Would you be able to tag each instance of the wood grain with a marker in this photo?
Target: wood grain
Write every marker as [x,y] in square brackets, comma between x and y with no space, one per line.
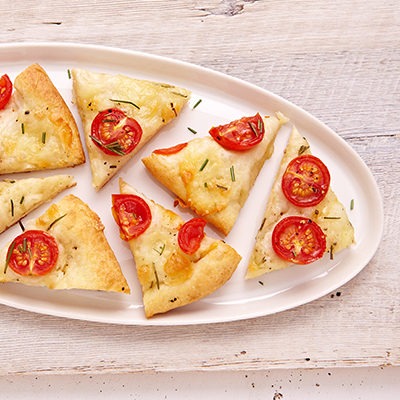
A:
[338,60]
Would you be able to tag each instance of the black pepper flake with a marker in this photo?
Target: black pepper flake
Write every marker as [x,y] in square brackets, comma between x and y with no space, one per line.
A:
[26,112]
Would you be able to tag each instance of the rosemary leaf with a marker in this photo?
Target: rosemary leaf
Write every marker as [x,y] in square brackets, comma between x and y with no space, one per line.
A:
[233,174]
[204,164]
[9,256]
[12,208]
[126,102]
[55,221]
[69,74]
[253,128]
[198,102]
[192,130]
[352,204]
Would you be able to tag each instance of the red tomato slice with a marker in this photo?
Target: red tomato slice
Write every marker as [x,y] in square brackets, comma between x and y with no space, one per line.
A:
[132,214]
[191,234]
[298,240]
[306,181]
[170,150]
[5,90]
[32,253]
[115,133]
[241,134]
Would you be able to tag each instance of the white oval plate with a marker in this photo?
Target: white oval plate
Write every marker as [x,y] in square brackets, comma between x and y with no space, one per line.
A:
[223,99]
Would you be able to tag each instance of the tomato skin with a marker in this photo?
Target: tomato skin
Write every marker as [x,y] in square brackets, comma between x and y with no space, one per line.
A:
[298,240]
[306,181]
[191,234]
[33,253]
[171,150]
[132,214]
[240,135]
[115,133]
[5,90]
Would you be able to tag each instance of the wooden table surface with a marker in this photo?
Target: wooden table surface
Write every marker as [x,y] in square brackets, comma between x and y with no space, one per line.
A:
[338,60]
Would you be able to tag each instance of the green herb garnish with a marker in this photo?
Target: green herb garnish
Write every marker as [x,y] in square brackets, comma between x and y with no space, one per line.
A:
[161,249]
[69,74]
[9,256]
[55,221]
[352,204]
[331,252]
[24,244]
[332,217]
[192,130]
[12,208]
[222,187]
[155,273]
[302,149]
[23,128]
[204,164]
[115,147]
[253,128]
[199,101]
[22,200]
[126,102]
[44,137]
[233,174]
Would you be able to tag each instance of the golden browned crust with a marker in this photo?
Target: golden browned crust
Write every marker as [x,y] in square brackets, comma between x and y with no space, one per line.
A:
[34,83]
[85,261]
[37,129]
[181,279]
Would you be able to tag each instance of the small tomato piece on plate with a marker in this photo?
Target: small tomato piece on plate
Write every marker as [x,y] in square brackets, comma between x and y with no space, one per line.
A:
[115,133]
[240,135]
[5,90]
[298,240]
[170,150]
[33,253]
[306,181]
[191,234]
[132,214]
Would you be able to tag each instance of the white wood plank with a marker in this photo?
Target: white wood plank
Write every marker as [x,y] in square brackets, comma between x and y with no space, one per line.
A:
[338,60]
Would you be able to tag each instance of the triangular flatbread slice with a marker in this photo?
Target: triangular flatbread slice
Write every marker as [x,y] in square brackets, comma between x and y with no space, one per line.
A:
[169,277]
[85,259]
[37,129]
[330,215]
[213,181]
[151,104]
[20,197]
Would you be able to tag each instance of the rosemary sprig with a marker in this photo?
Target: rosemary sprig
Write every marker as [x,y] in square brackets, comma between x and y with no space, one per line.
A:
[204,164]
[9,256]
[115,147]
[126,102]
[55,221]
[302,149]
[253,128]
[198,102]
[155,273]
[233,173]
[161,250]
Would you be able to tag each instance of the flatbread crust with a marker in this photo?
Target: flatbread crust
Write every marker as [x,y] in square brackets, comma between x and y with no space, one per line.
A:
[339,231]
[169,277]
[159,103]
[212,192]
[37,129]
[20,197]
[85,259]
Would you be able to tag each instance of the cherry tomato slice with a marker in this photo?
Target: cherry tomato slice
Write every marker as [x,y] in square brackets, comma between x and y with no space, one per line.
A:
[5,90]
[191,234]
[115,133]
[132,214]
[306,181]
[241,134]
[298,240]
[170,150]
[33,252]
